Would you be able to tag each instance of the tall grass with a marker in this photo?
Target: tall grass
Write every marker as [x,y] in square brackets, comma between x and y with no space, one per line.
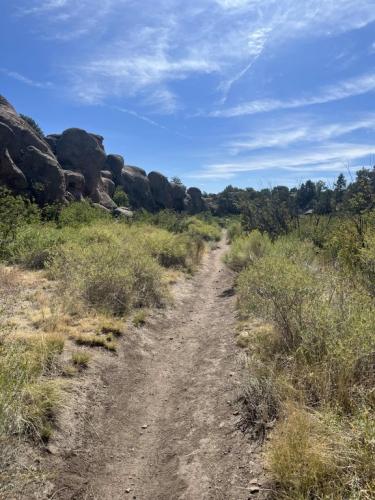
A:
[27,397]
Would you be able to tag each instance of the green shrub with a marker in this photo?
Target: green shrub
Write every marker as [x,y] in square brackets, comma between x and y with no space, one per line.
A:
[203,230]
[27,401]
[81,213]
[120,197]
[33,245]
[246,250]
[234,230]
[15,213]
[109,278]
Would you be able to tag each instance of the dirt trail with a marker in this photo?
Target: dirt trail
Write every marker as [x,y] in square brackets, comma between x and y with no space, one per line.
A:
[177,376]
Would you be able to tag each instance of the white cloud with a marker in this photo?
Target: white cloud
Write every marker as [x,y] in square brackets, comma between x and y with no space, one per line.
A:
[295,131]
[332,157]
[342,90]
[24,79]
[148,45]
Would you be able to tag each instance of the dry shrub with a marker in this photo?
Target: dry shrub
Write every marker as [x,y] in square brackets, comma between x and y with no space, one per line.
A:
[27,399]
[246,250]
[305,456]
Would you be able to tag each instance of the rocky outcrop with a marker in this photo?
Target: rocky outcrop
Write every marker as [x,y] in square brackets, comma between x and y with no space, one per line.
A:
[46,178]
[73,165]
[195,202]
[137,186]
[115,164]
[75,185]
[161,190]
[27,164]
[178,193]
[80,151]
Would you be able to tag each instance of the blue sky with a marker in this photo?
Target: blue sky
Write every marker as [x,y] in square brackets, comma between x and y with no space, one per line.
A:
[245,92]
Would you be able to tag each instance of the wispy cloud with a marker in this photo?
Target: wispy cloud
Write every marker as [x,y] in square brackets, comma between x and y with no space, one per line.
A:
[144,51]
[333,157]
[24,79]
[342,90]
[296,131]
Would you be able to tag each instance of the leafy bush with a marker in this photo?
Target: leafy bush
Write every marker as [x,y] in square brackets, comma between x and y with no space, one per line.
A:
[15,213]
[81,213]
[33,245]
[203,230]
[109,278]
[246,250]
[120,197]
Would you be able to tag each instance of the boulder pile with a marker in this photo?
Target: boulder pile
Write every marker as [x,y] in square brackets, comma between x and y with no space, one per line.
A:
[74,165]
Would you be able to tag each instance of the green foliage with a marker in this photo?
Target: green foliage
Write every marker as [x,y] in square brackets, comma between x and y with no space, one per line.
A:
[27,401]
[199,229]
[234,230]
[316,362]
[245,250]
[33,124]
[178,181]
[34,244]
[15,213]
[120,197]
[81,213]
[111,278]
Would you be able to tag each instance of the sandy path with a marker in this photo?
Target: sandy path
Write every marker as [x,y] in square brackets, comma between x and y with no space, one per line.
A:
[176,376]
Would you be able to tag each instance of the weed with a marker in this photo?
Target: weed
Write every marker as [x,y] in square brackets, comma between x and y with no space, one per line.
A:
[81,359]
[139,318]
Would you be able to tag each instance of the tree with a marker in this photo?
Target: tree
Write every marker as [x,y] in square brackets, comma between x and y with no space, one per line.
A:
[339,190]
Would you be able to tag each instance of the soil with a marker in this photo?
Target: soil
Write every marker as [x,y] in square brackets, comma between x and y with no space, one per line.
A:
[160,421]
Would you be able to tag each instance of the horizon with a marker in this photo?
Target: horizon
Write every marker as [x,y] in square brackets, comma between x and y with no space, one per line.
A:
[217,92]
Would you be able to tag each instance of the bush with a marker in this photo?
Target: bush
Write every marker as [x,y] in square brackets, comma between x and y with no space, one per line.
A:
[111,278]
[15,213]
[304,456]
[234,230]
[34,245]
[81,213]
[202,230]
[120,197]
[27,401]
[246,250]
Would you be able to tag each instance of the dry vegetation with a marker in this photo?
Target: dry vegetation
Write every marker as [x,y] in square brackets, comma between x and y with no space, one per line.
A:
[68,280]
[309,323]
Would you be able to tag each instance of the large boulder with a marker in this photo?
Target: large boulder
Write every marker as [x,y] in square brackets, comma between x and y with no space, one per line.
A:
[45,177]
[161,190]
[137,186]
[115,164]
[178,192]
[195,203]
[75,184]
[80,151]
[11,175]
[109,186]
[27,164]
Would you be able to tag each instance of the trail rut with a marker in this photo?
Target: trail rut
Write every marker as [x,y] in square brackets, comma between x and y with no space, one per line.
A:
[163,427]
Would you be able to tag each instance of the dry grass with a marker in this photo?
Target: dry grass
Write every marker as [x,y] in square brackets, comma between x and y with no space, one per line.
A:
[81,359]
[139,318]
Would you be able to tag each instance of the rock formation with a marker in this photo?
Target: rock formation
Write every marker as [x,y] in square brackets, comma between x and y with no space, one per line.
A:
[74,165]
[27,164]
